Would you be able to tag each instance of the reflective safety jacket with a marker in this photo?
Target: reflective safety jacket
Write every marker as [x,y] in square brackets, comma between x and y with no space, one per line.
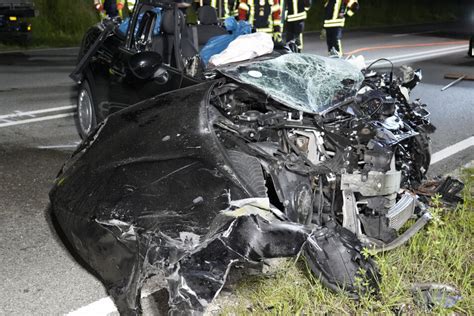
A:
[99,5]
[295,10]
[263,15]
[337,10]
[225,8]
[130,4]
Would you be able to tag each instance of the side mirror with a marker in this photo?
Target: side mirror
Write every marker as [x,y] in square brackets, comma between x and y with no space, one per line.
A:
[144,65]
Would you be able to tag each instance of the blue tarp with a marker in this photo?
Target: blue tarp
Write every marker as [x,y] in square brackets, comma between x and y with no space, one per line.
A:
[218,43]
[123,28]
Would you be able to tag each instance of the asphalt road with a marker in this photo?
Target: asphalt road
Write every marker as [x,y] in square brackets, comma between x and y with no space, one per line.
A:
[38,276]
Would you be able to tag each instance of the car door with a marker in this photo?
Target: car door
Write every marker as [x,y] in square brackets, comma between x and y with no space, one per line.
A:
[144,34]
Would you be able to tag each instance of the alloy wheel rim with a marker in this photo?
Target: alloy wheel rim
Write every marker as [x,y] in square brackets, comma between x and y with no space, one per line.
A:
[84,111]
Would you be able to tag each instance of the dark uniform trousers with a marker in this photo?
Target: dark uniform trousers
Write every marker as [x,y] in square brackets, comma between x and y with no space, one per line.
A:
[110,7]
[333,38]
[335,12]
[295,13]
[294,31]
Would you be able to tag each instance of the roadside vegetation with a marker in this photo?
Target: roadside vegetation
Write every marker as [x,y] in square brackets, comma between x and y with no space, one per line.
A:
[443,252]
[62,22]
[378,13]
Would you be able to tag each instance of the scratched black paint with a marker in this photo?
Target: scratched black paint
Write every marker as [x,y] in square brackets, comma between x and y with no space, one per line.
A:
[145,195]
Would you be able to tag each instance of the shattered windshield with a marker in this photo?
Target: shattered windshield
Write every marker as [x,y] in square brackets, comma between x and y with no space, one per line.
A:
[304,82]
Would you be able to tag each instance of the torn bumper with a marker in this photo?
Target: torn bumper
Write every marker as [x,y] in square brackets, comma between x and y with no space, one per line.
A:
[153,194]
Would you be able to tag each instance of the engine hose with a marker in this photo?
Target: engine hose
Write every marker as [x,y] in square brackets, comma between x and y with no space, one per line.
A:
[400,240]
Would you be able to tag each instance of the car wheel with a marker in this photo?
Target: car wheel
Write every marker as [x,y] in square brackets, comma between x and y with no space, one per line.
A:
[86,119]
[250,170]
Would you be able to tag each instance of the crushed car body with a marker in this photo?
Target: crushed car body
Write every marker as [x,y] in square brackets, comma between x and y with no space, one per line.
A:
[274,157]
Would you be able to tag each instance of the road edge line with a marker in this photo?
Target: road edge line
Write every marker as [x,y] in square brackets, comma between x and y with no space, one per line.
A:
[452,150]
[38,119]
[28,113]
[104,306]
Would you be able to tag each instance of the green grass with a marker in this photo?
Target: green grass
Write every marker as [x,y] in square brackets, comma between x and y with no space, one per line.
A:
[442,252]
[62,22]
[376,13]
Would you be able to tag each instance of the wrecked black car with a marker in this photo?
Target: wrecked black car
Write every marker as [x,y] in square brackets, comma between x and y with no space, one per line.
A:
[121,63]
[274,157]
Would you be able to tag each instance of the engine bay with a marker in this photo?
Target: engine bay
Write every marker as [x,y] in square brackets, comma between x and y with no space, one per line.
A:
[356,163]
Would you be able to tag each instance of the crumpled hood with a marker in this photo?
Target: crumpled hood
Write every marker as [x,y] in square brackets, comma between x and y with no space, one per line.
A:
[303,82]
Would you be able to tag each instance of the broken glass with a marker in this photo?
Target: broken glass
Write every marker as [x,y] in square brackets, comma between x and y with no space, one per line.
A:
[304,82]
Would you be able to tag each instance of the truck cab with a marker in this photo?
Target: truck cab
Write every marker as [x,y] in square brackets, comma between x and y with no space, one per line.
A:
[13,24]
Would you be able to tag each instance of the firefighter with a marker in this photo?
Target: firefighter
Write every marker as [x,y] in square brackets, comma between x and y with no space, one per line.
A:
[225,8]
[130,4]
[263,15]
[106,8]
[294,15]
[336,12]
[99,6]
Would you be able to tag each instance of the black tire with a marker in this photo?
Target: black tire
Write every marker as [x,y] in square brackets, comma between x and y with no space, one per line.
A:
[86,119]
[248,168]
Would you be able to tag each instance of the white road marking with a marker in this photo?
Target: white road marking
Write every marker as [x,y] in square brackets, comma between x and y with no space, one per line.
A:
[417,33]
[104,307]
[38,119]
[50,58]
[37,50]
[452,150]
[433,52]
[20,113]
[33,113]
[422,55]
[59,146]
